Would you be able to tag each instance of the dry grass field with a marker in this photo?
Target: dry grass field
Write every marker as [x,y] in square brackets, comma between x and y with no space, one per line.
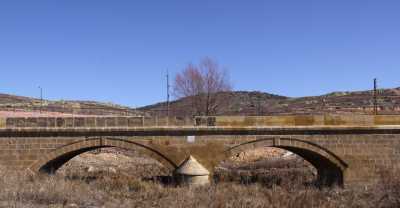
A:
[124,182]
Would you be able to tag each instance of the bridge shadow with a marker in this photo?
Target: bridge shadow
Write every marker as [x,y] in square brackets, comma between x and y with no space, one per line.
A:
[163,180]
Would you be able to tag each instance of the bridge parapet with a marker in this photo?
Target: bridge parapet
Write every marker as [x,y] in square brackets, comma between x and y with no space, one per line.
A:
[300,120]
[92,122]
[71,122]
[218,121]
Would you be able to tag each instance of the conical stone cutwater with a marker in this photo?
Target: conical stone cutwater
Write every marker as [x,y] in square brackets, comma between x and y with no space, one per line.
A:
[191,172]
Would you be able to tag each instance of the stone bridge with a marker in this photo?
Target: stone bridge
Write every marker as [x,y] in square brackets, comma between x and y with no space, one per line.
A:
[343,149]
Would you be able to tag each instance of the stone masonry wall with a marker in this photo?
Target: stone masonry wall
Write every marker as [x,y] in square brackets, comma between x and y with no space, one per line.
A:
[71,122]
[299,120]
[97,121]
[365,155]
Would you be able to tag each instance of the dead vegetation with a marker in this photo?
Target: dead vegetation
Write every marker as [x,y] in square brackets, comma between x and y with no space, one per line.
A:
[117,190]
[124,182]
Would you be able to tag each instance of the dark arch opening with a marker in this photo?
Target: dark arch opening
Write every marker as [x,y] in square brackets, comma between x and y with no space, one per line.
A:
[329,167]
[268,166]
[328,173]
[51,163]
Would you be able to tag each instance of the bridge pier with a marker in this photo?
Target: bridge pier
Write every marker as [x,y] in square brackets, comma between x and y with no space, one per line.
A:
[191,172]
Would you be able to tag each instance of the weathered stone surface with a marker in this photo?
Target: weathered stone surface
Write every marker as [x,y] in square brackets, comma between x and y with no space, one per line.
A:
[100,122]
[341,154]
[2,122]
[193,180]
[42,122]
[191,167]
[90,122]
[60,122]
[135,121]
[79,122]
[122,121]
[111,121]
[69,122]
[300,120]
[353,158]
[72,122]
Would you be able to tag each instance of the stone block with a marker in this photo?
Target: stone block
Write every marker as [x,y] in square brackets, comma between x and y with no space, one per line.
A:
[2,122]
[90,122]
[304,120]
[149,121]
[51,122]
[199,121]
[31,122]
[100,122]
[20,122]
[387,120]
[135,121]
[122,121]
[69,122]
[111,122]
[79,122]
[333,120]
[42,122]
[180,121]
[60,122]
[211,121]
[162,121]
[10,122]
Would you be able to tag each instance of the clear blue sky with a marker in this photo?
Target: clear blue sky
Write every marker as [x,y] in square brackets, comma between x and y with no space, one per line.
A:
[118,51]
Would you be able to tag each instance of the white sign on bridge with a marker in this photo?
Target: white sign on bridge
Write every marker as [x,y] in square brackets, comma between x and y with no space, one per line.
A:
[191,139]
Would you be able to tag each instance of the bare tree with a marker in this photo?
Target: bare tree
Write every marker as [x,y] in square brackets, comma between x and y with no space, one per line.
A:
[201,84]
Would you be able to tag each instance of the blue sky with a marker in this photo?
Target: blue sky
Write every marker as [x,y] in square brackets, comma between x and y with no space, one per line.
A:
[118,51]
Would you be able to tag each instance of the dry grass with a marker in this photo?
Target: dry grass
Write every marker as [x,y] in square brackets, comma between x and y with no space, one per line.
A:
[290,172]
[116,190]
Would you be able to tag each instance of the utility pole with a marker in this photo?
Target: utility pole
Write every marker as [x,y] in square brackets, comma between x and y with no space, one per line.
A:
[375,97]
[323,104]
[41,99]
[168,96]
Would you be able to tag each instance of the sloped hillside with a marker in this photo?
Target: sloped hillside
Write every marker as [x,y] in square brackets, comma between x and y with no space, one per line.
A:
[259,103]
[19,105]
[230,103]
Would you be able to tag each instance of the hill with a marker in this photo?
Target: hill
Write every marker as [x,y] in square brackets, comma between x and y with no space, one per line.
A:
[20,106]
[260,103]
[231,103]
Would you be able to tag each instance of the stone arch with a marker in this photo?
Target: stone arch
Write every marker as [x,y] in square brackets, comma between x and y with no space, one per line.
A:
[329,166]
[53,160]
